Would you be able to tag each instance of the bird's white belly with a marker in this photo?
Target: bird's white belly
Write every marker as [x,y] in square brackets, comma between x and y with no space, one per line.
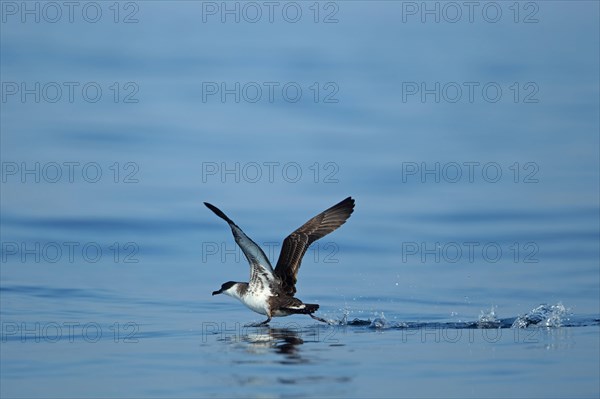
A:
[258,302]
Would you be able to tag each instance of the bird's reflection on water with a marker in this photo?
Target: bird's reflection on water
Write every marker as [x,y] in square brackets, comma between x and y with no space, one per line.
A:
[285,341]
[282,341]
[263,347]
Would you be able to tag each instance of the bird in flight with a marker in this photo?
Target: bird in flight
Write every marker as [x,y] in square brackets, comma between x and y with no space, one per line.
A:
[271,292]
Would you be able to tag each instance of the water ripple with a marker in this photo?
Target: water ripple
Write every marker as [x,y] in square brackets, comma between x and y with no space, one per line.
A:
[107,224]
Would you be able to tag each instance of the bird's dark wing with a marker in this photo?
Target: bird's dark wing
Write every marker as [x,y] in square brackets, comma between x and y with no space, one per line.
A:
[295,245]
[260,267]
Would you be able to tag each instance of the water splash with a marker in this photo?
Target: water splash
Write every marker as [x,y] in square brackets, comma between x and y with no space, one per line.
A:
[544,316]
[344,320]
[489,319]
[380,322]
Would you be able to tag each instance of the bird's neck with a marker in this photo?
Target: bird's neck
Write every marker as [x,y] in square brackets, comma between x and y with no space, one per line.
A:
[238,290]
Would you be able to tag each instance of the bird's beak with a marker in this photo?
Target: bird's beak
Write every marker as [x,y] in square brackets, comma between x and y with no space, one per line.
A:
[217,292]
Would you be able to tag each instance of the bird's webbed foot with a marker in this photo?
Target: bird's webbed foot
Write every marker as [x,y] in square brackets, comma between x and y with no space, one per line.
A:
[261,324]
[318,318]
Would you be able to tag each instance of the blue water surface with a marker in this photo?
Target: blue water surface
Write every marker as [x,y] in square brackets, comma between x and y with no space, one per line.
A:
[467,134]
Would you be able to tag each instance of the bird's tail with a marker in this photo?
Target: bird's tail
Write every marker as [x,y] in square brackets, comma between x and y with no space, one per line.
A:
[306,308]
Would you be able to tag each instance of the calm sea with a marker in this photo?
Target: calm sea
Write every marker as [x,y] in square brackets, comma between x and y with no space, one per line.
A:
[467,132]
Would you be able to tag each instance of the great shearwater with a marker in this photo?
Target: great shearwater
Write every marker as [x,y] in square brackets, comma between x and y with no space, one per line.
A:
[271,292]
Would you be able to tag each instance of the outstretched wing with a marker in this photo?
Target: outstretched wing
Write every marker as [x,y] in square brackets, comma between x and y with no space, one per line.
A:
[295,245]
[260,267]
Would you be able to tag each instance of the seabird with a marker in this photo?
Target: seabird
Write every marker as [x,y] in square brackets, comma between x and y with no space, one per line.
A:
[271,292]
